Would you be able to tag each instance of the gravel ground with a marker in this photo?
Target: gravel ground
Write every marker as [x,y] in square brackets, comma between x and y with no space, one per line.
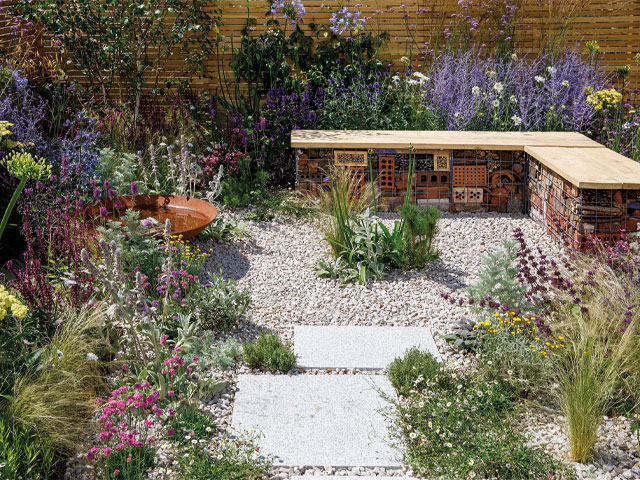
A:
[276,262]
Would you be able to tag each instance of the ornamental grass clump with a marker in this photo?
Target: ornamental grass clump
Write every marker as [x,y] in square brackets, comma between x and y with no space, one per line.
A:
[55,398]
[602,348]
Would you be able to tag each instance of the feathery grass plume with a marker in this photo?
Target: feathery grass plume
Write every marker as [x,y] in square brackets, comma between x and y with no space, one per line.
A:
[57,399]
[602,346]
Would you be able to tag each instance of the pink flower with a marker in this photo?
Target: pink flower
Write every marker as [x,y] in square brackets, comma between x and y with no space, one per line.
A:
[196,359]
[148,422]
[170,393]
[171,432]
[120,446]
[178,349]
[92,453]
[125,367]
[129,458]
[116,472]
[107,451]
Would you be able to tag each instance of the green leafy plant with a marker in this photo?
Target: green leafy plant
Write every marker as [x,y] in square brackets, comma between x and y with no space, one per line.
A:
[406,370]
[234,459]
[224,230]
[24,453]
[498,278]
[420,226]
[510,358]
[441,409]
[119,169]
[137,41]
[221,304]
[269,352]
[221,356]
[190,423]
[130,463]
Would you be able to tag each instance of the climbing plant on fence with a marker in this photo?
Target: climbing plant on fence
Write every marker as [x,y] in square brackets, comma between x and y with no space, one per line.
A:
[123,46]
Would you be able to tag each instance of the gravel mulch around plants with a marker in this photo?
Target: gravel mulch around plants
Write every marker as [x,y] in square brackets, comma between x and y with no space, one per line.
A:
[277,263]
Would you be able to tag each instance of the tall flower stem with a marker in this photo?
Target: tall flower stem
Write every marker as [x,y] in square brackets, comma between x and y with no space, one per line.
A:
[12,204]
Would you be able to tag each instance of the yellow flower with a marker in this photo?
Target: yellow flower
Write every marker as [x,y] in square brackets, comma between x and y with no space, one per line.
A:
[9,302]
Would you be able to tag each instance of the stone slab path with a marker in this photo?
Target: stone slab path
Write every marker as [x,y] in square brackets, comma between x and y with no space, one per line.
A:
[318,420]
[361,347]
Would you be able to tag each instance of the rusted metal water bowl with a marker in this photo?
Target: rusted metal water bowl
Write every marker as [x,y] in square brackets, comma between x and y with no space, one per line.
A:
[188,216]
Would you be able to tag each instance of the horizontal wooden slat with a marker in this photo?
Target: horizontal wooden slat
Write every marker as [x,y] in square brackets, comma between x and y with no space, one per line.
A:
[449,140]
[615,25]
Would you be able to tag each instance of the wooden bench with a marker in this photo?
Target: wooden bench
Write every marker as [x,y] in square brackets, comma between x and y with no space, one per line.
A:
[575,186]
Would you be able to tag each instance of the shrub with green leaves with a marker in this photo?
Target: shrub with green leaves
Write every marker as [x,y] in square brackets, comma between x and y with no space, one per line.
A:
[460,426]
[510,358]
[120,169]
[404,371]
[220,304]
[498,278]
[269,352]
[136,41]
[24,453]
[221,356]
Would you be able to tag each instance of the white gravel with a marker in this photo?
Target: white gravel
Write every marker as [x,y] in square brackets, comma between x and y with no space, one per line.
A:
[276,263]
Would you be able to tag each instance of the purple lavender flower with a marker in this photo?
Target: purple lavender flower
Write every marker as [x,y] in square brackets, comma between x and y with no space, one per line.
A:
[103,212]
[134,188]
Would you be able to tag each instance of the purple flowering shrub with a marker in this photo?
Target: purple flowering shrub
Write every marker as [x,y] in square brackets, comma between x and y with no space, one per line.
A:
[51,272]
[25,109]
[68,140]
[356,99]
[269,133]
[486,93]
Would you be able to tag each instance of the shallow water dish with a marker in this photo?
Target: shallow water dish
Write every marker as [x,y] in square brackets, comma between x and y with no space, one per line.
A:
[188,216]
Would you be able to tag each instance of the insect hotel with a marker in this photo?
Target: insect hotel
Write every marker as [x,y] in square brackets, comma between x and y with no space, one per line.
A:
[576,187]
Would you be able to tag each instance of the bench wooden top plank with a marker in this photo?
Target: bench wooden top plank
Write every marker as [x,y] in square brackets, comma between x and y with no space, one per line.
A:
[589,167]
[436,140]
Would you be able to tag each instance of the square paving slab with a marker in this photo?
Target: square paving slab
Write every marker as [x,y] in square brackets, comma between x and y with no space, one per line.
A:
[369,347]
[317,420]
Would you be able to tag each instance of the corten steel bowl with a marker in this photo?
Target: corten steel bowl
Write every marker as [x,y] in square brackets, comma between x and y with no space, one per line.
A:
[188,216]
